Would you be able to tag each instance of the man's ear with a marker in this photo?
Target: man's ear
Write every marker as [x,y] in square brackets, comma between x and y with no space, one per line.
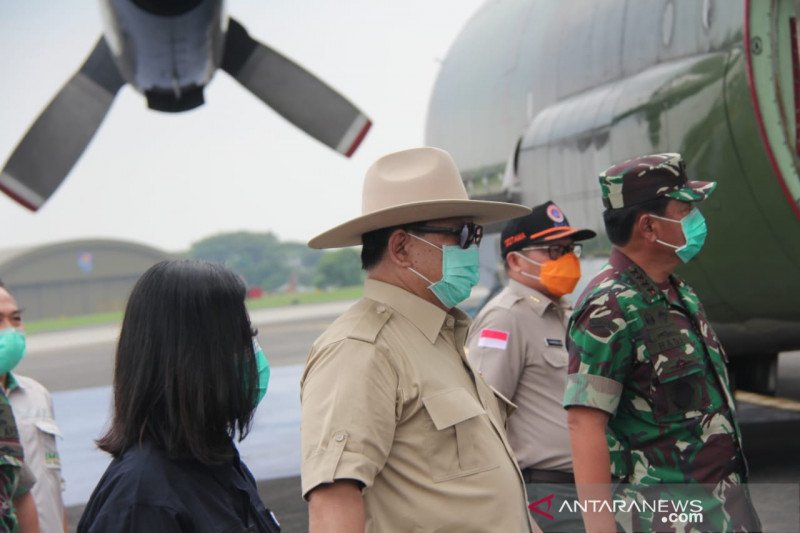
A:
[512,260]
[644,227]
[397,248]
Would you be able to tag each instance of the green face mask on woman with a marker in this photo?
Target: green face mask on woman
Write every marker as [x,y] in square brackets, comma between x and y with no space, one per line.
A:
[262,366]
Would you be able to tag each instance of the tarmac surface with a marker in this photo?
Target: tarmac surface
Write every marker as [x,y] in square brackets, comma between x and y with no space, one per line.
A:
[77,367]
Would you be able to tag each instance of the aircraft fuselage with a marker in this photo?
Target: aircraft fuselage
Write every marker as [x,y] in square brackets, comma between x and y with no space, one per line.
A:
[536,98]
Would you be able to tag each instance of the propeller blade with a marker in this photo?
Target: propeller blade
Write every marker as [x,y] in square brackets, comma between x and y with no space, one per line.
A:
[299,96]
[53,144]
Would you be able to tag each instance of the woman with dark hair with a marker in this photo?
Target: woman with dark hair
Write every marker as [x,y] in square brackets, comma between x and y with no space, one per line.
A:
[187,378]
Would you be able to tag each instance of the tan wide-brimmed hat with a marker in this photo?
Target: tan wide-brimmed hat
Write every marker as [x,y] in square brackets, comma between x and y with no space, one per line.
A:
[414,185]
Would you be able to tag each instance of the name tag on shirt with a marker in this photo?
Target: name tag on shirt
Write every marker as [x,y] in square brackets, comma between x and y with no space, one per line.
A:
[52,460]
[493,338]
[557,343]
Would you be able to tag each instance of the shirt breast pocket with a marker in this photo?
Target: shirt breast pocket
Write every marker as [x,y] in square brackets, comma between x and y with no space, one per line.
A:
[680,389]
[47,430]
[459,444]
[556,358]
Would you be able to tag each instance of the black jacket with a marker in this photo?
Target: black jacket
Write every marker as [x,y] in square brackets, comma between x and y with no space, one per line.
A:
[145,491]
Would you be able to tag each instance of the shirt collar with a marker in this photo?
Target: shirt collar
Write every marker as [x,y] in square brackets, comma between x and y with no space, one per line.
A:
[539,301]
[12,383]
[648,289]
[425,316]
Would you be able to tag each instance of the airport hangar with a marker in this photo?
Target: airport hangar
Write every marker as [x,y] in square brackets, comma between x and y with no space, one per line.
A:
[76,277]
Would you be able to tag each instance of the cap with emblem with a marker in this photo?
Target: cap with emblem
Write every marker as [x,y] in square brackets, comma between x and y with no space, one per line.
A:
[648,177]
[545,223]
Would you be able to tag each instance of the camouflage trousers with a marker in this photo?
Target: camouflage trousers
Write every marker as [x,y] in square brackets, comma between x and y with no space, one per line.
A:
[686,508]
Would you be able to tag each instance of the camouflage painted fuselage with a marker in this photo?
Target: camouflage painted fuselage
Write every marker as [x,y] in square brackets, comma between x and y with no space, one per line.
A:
[646,354]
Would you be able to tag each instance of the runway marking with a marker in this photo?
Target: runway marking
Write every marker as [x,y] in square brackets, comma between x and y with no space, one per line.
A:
[784,404]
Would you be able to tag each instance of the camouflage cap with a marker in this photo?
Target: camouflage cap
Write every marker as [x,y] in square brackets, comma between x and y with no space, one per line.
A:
[648,177]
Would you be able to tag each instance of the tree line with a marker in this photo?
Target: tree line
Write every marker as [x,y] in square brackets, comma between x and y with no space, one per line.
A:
[266,262]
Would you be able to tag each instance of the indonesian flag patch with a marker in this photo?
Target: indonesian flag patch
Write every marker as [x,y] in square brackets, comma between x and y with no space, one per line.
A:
[493,338]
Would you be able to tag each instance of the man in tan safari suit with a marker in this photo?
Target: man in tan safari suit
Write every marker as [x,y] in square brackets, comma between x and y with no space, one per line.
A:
[398,432]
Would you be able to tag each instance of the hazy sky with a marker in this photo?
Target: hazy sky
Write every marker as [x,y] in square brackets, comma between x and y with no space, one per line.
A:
[233,164]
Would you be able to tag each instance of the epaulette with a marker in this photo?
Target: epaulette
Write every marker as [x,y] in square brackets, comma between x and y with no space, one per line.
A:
[642,284]
[508,299]
[370,323]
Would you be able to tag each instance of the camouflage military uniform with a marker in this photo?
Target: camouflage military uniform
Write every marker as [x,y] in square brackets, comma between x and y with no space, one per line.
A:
[648,357]
[645,354]
[11,457]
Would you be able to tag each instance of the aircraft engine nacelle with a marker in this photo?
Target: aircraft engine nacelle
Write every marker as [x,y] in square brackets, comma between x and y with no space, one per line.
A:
[169,50]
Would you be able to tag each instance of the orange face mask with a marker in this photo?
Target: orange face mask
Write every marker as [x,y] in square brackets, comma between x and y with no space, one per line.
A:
[559,276]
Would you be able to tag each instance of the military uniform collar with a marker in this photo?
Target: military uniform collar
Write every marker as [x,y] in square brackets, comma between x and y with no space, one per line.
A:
[12,383]
[540,302]
[428,318]
[647,288]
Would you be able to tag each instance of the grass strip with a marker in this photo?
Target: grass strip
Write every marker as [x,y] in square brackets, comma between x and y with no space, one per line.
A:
[267,301]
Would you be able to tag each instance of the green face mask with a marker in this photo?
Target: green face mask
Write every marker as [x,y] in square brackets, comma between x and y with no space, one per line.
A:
[12,348]
[694,231]
[460,272]
[262,365]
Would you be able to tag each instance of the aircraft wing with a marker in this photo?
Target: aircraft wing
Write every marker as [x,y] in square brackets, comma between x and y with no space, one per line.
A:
[53,144]
[296,94]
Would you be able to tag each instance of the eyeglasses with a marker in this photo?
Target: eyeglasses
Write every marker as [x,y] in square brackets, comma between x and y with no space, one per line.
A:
[468,234]
[557,250]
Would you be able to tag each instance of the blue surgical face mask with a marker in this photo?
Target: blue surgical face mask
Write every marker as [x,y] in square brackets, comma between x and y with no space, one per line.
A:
[262,366]
[460,272]
[12,348]
[694,231]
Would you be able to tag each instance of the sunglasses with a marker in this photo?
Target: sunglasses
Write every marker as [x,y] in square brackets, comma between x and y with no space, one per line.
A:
[557,250]
[468,234]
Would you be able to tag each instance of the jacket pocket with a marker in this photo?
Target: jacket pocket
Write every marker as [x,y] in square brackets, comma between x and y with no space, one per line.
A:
[459,444]
[680,389]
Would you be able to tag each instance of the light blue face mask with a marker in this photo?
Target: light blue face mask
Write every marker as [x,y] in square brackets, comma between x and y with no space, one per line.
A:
[460,272]
[262,365]
[12,348]
[694,231]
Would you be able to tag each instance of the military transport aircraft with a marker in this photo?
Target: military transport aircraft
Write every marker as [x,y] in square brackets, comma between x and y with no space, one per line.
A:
[169,50]
[535,98]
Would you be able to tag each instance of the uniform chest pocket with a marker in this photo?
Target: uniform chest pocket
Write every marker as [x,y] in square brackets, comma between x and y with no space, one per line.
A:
[679,387]
[460,442]
[47,431]
[556,357]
